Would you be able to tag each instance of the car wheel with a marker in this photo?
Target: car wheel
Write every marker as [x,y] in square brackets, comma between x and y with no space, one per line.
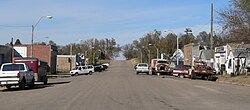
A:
[90,73]
[32,84]
[137,73]
[181,75]
[147,73]
[45,81]
[158,74]
[193,75]
[22,84]
[8,86]
[76,74]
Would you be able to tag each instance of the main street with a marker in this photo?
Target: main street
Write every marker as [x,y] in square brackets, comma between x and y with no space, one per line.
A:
[119,88]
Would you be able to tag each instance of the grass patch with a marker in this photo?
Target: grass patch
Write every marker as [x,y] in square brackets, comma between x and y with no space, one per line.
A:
[242,79]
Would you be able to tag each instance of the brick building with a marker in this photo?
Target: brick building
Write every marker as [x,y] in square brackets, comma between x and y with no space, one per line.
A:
[47,53]
[5,54]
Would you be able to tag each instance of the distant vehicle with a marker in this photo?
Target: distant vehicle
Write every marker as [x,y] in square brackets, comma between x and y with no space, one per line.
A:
[39,67]
[181,71]
[160,67]
[142,68]
[16,74]
[79,70]
[98,68]
[106,64]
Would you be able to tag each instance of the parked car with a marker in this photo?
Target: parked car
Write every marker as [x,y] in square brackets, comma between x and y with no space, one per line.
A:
[98,68]
[79,70]
[181,71]
[104,67]
[142,68]
[16,74]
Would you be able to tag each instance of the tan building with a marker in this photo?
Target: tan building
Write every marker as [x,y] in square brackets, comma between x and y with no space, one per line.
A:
[188,53]
[64,64]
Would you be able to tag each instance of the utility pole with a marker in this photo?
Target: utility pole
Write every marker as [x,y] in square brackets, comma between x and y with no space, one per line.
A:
[177,48]
[70,61]
[12,50]
[212,20]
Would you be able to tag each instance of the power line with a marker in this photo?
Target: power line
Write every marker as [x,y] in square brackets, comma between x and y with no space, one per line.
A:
[13,26]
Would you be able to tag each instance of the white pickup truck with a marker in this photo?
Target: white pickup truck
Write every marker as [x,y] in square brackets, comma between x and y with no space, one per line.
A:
[16,74]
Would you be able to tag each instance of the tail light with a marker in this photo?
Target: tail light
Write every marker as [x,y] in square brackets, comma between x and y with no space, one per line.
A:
[18,75]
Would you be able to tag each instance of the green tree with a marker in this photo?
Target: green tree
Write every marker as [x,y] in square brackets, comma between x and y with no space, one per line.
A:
[18,42]
[52,43]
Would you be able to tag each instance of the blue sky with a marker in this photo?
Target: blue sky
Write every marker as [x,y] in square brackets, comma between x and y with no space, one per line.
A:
[124,20]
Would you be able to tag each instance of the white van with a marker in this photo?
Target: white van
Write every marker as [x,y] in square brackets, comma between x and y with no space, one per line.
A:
[87,70]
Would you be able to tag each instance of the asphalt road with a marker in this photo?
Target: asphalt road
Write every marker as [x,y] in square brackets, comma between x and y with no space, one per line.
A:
[120,88]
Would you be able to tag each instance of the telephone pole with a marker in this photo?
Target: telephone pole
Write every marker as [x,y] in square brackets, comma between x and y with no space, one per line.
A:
[212,20]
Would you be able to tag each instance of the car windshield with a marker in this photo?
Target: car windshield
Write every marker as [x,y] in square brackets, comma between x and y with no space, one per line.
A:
[13,67]
[162,62]
[75,68]
[143,65]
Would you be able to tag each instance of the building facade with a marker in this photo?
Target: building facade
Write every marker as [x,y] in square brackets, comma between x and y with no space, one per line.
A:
[5,54]
[65,62]
[232,58]
[47,53]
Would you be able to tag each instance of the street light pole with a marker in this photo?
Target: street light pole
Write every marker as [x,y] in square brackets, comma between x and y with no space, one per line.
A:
[32,34]
[157,53]
[157,50]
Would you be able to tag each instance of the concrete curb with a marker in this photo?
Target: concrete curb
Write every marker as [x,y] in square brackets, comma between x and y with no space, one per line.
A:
[56,76]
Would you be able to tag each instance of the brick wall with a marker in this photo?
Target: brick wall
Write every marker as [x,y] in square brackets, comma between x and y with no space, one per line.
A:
[46,53]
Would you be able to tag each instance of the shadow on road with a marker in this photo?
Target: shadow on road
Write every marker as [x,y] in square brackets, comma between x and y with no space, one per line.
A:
[37,86]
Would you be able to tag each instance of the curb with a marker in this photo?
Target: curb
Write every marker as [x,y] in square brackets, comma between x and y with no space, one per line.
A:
[56,76]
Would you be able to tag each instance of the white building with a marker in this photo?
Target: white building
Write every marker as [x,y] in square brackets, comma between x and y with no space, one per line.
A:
[232,58]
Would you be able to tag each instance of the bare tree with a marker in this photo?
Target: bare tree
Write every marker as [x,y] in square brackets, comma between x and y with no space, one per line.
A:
[236,21]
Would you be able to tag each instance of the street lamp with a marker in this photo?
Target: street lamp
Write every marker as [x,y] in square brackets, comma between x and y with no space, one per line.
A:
[33,28]
[93,55]
[157,50]
[187,31]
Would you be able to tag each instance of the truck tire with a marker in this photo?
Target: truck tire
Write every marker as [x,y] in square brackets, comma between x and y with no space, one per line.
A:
[152,72]
[45,80]
[8,86]
[158,74]
[193,75]
[76,74]
[181,75]
[32,84]
[22,84]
